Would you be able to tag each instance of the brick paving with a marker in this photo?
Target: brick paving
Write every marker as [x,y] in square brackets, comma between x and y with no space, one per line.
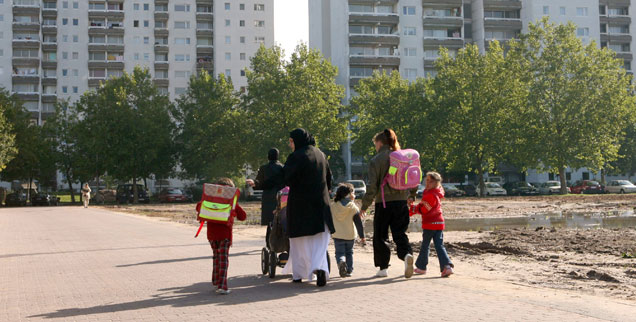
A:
[75,264]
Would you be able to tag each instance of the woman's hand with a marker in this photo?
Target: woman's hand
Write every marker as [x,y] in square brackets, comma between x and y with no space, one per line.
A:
[250,182]
[410,201]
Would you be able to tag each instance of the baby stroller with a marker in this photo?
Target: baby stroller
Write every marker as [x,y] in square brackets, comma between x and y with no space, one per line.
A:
[277,241]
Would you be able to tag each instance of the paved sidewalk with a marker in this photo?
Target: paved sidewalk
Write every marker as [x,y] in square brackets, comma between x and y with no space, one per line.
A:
[76,264]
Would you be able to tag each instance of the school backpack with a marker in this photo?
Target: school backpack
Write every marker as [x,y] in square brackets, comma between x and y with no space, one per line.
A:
[278,237]
[217,204]
[404,171]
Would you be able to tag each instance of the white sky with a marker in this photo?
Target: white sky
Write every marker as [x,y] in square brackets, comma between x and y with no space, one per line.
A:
[291,23]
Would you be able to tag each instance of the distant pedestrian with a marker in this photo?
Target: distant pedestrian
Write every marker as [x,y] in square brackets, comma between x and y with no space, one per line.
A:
[396,213]
[346,220]
[220,238]
[86,194]
[430,207]
[309,219]
[271,180]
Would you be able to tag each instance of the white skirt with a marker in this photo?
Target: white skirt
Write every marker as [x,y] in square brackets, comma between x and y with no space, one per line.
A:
[308,254]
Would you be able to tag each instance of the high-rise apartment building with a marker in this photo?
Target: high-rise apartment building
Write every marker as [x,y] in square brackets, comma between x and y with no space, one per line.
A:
[361,36]
[51,50]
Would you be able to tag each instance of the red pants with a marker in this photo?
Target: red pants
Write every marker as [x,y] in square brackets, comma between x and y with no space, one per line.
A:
[221,250]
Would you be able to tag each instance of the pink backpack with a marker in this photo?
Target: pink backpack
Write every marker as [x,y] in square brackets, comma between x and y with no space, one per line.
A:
[404,171]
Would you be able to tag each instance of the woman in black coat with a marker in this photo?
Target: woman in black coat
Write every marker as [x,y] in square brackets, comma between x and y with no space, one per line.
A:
[270,179]
[309,219]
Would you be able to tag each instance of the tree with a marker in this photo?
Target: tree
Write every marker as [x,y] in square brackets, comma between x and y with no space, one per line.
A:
[283,95]
[474,99]
[129,127]
[7,136]
[211,129]
[626,161]
[580,99]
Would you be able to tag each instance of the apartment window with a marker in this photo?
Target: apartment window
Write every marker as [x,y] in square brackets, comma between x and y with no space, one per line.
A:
[64,72]
[242,72]
[603,29]
[64,89]
[602,10]
[75,90]
[75,38]
[227,6]
[581,11]
[146,7]
[228,72]
[96,6]
[146,23]
[135,23]
[242,6]
[410,73]
[179,90]
[228,40]
[146,40]
[259,40]
[181,74]
[75,5]
[242,56]
[546,10]
[259,23]
[163,74]
[583,32]
[409,31]
[241,23]
[64,55]
[512,14]
[410,52]
[146,57]
[75,72]
[97,56]
[259,7]
[242,38]
[160,24]
[628,65]
[75,55]
[623,29]
[182,41]
[228,56]
[408,10]
[64,21]
[182,24]
[181,57]
[136,6]
[227,22]
[75,22]
[136,56]
[65,4]
[182,7]
[618,11]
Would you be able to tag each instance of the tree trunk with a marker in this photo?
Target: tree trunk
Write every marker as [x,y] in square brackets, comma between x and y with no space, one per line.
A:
[603,176]
[135,191]
[482,186]
[564,185]
[30,187]
[70,186]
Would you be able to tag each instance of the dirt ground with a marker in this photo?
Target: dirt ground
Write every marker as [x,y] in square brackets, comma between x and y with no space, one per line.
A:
[594,261]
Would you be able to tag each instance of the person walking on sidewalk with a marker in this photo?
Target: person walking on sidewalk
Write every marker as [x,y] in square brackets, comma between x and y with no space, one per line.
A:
[430,207]
[309,219]
[346,220]
[396,213]
[86,194]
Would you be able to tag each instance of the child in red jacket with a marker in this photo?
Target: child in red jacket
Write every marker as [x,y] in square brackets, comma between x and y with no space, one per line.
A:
[430,207]
[220,238]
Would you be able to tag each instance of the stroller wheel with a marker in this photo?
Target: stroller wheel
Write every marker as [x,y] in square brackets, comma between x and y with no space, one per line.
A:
[273,262]
[264,260]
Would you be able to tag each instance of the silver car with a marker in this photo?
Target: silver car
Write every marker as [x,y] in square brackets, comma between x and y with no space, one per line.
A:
[550,187]
[620,186]
[360,188]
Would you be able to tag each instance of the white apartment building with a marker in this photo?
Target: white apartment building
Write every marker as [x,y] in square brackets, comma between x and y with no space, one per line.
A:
[361,36]
[51,50]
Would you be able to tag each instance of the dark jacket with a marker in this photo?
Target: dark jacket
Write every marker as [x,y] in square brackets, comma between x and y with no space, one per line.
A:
[378,168]
[270,179]
[308,176]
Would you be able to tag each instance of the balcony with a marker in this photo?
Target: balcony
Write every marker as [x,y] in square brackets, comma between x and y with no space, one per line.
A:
[111,14]
[49,29]
[110,64]
[161,48]
[49,64]
[502,4]
[49,80]
[616,38]
[161,82]
[103,31]
[443,21]
[374,39]
[205,33]
[116,47]
[28,96]
[161,16]
[374,18]
[161,65]
[26,43]
[503,23]
[49,12]
[26,27]
[49,97]
[26,9]
[204,50]
[616,20]
[25,78]
[205,65]
[161,32]
[441,3]
[49,46]
[374,60]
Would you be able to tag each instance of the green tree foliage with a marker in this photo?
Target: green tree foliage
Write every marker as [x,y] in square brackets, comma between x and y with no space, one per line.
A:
[626,162]
[7,135]
[128,129]
[284,95]
[474,99]
[580,99]
[211,129]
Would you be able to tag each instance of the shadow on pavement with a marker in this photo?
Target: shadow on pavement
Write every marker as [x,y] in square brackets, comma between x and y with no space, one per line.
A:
[97,250]
[165,261]
[245,289]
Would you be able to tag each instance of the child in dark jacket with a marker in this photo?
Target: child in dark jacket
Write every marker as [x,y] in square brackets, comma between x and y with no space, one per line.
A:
[430,207]
[220,238]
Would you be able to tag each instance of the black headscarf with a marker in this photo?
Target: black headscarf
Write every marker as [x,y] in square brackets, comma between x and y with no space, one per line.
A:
[302,138]
[272,155]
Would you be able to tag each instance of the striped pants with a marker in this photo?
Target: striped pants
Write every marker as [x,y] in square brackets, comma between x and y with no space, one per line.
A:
[221,251]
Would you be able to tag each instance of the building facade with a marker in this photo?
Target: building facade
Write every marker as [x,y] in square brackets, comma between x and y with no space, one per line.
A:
[362,36]
[51,50]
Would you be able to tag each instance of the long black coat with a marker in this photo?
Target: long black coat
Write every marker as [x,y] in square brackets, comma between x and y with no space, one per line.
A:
[308,176]
[270,179]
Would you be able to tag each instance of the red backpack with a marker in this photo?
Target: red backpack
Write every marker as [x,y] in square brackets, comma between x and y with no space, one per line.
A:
[217,205]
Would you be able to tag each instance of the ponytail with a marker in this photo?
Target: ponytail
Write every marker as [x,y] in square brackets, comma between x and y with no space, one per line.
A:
[388,138]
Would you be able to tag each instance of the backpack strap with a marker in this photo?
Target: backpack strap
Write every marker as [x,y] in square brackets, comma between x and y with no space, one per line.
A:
[200,227]
[384,182]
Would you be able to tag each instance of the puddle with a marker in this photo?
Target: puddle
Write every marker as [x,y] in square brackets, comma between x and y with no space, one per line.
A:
[558,220]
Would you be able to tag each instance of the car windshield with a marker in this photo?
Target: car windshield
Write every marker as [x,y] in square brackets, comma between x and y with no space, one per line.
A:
[357,184]
[175,192]
[592,183]
[524,184]
[624,183]
[552,184]
[493,185]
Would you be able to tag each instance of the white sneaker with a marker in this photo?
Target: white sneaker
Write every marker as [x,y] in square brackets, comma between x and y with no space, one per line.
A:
[408,266]
[382,273]
[223,292]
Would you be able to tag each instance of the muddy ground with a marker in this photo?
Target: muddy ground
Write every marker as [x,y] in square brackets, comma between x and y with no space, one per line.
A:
[598,261]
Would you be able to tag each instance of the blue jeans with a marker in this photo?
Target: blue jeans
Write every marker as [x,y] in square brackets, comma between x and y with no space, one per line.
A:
[344,251]
[438,240]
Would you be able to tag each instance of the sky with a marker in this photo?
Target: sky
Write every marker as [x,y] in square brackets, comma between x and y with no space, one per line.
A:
[291,23]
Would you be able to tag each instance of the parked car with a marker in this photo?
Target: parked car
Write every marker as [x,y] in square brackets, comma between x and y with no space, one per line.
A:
[172,195]
[494,189]
[257,195]
[469,189]
[587,186]
[520,188]
[420,190]
[551,187]
[620,186]
[450,190]
[16,199]
[44,199]
[125,193]
[360,188]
